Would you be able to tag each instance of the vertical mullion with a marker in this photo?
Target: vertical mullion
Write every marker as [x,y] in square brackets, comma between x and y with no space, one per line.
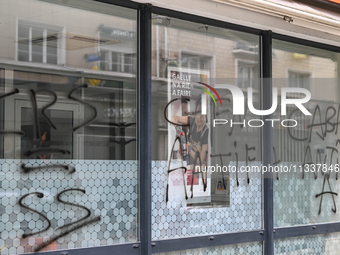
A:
[44,46]
[2,113]
[267,144]
[30,44]
[145,127]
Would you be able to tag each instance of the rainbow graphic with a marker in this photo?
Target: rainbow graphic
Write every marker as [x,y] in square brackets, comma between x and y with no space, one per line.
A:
[211,88]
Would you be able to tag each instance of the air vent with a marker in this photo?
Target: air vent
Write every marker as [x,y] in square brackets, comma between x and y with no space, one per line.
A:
[77,41]
[48,38]
[40,39]
[89,40]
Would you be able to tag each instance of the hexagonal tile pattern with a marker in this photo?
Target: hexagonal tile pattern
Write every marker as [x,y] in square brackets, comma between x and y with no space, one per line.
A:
[110,192]
[296,203]
[319,244]
[174,219]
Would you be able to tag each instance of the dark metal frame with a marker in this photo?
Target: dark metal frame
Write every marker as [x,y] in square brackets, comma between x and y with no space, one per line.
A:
[122,3]
[102,250]
[267,235]
[145,127]
[207,241]
[2,106]
[267,143]
[304,42]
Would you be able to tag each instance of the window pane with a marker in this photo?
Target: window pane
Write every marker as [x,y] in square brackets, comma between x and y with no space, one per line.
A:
[116,67]
[51,59]
[318,244]
[37,57]
[23,56]
[51,50]
[23,31]
[116,57]
[37,44]
[23,46]
[192,195]
[70,147]
[308,193]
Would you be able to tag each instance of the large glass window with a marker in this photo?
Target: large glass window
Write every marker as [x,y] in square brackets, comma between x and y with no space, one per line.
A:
[197,186]
[69,168]
[309,192]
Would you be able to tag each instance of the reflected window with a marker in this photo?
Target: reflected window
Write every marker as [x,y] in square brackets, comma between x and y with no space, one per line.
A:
[195,61]
[38,42]
[246,46]
[119,55]
[118,61]
[50,137]
[299,79]
[246,72]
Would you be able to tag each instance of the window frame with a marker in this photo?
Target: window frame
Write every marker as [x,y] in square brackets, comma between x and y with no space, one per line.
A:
[212,59]
[146,246]
[120,63]
[33,24]
[295,71]
[246,63]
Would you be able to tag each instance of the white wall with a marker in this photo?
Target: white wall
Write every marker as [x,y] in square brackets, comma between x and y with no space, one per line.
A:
[320,28]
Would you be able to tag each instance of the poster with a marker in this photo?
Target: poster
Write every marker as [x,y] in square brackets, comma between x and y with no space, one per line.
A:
[190,101]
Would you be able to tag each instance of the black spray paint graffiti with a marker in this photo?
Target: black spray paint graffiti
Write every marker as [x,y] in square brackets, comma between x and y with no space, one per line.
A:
[66,226]
[64,233]
[326,127]
[27,169]
[184,171]
[65,229]
[40,195]
[11,132]
[329,125]
[84,103]
[48,150]
[221,160]
[43,109]
[79,223]
[197,158]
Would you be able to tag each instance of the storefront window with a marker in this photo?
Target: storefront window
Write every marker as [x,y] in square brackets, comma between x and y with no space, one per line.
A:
[308,193]
[73,74]
[197,186]
[69,166]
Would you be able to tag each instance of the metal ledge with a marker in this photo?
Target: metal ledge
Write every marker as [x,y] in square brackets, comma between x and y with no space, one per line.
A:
[206,241]
[125,3]
[306,230]
[126,249]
